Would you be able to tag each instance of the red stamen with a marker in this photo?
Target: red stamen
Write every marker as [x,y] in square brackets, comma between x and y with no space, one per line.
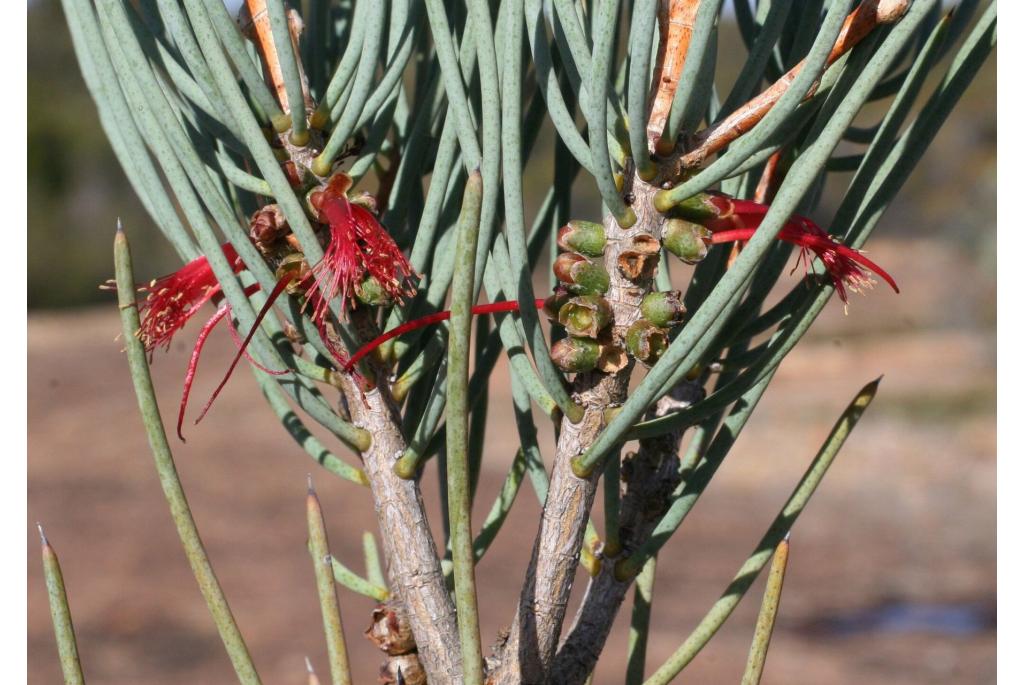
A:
[271,298]
[193,363]
[237,338]
[173,299]
[424,321]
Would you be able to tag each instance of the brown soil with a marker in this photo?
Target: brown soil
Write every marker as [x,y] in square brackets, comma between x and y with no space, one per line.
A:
[907,514]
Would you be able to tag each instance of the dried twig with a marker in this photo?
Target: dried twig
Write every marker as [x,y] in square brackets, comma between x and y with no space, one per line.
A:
[676,19]
[255,22]
[868,16]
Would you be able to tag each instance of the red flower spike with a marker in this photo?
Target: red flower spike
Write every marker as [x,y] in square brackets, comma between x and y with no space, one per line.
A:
[359,247]
[845,265]
[173,299]
[271,298]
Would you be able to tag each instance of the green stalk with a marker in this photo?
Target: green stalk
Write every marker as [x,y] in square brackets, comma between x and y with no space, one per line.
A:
[210,588]
[776,533]
[641,35]
[337,652]
[766,617]
[297,429]
[596,111]
[374,570]
[640,623]
[457,434]
[691,95]
[289,71]
[60,612]
[348,578]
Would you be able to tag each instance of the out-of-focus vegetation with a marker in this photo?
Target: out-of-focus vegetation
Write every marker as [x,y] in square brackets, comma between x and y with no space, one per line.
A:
[76,188]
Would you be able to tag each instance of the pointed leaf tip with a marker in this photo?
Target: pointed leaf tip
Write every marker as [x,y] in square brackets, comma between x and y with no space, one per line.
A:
[309,666]
[309,484]
[120,226]
[42,535]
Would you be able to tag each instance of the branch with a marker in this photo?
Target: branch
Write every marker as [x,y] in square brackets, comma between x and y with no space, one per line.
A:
[868,16]
[650,475]
[413,565]
[529,653]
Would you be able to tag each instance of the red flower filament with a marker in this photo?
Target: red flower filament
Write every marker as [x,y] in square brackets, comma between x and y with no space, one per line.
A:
[173,299]
[359,248]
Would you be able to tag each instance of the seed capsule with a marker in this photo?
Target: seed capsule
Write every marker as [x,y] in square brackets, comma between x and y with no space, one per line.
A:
[581,276]
[686,240]
[555,301]
[586,315]
[586,237]
[266,226]
[575,355]
[296,266]
[663,309]
[639,261]
[645,341]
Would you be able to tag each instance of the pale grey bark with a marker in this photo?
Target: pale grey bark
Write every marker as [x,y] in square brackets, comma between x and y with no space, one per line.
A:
[529,653]
[414,569]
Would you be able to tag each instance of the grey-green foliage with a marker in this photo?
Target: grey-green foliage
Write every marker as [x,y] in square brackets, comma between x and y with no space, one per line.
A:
[441,92]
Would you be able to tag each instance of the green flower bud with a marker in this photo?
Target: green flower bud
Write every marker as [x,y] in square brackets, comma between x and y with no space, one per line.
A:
[586,237]
[576,354]
[586,315]
[372,293]
[663,309]
[645,341]
[703,206]
[581,276]
[686,240]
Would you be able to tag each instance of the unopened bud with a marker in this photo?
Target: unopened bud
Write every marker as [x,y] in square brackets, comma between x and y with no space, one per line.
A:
[645,341]
[586,315]
[372,293]
[704,206]
[574,355]
[581,276]
[663,309]
[686,240]
[586,237]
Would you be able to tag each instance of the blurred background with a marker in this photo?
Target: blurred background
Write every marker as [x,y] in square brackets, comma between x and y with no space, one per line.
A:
[892,571]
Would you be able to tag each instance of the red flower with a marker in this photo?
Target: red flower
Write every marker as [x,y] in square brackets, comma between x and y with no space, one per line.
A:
[173,299]
[846,266]
[358,248]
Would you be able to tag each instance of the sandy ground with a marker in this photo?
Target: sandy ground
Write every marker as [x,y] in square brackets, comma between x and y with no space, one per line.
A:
[905,519]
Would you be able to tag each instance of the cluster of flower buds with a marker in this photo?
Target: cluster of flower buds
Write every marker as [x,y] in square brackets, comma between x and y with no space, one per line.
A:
[578,303]
[647,338]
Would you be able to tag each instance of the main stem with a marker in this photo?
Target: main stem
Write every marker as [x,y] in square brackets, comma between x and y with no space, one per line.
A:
[528,655]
